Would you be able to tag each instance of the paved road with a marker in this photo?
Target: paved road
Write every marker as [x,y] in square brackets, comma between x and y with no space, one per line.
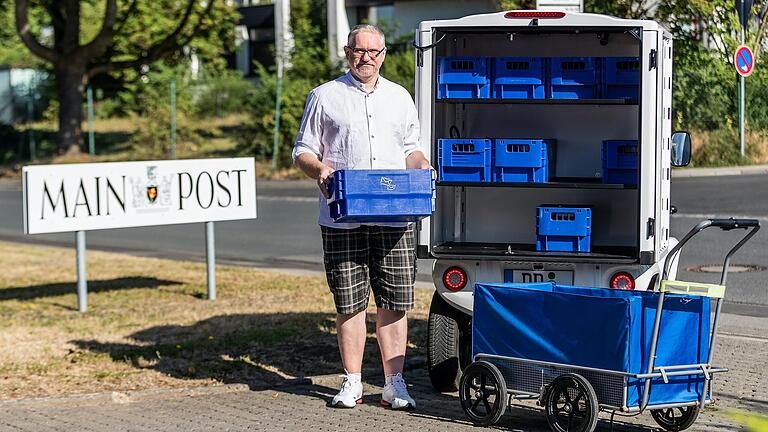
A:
[300,405]
[285,234]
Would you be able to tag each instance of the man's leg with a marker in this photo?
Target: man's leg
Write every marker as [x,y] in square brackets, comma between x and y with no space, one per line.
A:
[351,332]
[393,273]
[346,266]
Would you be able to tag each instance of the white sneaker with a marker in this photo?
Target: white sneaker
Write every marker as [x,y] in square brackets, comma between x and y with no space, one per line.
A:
[395,395]
[351,393]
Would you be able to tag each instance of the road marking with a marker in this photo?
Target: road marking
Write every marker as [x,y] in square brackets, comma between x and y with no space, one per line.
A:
[742,337]
[714,216]
[286,198]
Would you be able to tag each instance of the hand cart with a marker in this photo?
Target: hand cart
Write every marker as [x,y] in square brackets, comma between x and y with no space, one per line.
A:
[579,350]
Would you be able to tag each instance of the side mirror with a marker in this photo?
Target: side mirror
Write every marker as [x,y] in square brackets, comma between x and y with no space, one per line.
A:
[681,149]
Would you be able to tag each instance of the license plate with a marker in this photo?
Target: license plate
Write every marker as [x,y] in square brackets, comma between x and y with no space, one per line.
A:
[527,276]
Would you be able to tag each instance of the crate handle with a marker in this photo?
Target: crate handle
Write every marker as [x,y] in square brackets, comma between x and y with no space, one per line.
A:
[463,148]
[563,216]
[629,149]
[462,65]
[518,148]
[573,65]
[629,65]
[518,65]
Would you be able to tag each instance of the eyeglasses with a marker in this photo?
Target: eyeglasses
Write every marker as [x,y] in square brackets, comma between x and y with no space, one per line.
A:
[372,53]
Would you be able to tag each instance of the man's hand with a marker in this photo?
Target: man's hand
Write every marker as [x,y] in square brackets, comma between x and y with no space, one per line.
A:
[324,179]
[416,160]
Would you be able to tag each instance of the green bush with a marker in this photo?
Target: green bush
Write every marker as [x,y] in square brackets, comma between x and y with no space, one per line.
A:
[222,94]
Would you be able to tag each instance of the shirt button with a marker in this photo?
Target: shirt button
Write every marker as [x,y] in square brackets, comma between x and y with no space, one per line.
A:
[372,136]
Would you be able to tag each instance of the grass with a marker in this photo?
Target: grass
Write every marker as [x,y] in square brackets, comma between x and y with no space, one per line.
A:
[148,325]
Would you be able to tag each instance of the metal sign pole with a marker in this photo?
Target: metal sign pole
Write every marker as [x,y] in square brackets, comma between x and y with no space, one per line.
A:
[82,282]
[91,142]
[210,259]
[741,103]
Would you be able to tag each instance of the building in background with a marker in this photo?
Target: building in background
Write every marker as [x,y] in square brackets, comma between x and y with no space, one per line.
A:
[403,15]
[20,94]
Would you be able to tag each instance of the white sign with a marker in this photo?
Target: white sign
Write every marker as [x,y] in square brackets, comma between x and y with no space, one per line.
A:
[80,197]
[560,5]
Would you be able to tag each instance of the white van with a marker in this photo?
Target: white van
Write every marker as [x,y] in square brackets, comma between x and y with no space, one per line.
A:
[487,230]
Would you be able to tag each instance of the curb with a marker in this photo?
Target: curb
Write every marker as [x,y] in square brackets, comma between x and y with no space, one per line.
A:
[721,171]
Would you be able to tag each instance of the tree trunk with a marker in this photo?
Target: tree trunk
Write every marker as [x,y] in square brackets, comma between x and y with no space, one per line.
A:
[70,90]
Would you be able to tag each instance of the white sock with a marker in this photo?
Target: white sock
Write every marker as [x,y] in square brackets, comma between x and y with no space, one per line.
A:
[388,378]
[353,377]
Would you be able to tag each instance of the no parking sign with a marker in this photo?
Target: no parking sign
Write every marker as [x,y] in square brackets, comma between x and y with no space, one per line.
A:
[744,61]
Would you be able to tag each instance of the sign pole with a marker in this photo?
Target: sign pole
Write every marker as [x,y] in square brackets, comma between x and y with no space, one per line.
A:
[210,259]
[741,103]
[82,282]
[91,142]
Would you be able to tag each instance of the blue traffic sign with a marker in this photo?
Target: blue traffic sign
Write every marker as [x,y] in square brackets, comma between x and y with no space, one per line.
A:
[744,60]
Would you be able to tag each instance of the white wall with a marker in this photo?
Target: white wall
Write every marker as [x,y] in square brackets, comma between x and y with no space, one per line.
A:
[408,14]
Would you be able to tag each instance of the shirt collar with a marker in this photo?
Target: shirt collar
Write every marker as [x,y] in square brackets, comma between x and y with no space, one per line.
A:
[360,86]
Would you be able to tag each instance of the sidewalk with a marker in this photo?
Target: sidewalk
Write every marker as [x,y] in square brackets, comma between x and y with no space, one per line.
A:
[300,405]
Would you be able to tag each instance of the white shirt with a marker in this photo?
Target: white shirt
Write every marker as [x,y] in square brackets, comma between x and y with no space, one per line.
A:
[347,127]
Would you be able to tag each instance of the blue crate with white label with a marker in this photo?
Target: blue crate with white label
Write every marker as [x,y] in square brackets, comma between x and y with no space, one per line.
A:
[519,78]
[381,195]
[563,229]
[574,78]
[464,160]
[620,159]
[463,78]
[621,77]
[523,160]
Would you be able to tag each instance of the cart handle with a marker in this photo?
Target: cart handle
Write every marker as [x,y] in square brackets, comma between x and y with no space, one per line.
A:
[723,224]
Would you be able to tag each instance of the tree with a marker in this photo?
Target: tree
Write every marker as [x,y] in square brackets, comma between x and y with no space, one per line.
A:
[131,36]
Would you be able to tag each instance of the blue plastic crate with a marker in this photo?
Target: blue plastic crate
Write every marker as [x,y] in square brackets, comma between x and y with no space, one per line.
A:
[620,158]
[463,78]
[621,77]
[381,195]
[519,77]
[563,229]
[574,78]
[522,160]
[464,160]
[594,327]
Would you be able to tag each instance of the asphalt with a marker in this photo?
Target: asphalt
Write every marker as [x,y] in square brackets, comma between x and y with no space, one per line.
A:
[301,404]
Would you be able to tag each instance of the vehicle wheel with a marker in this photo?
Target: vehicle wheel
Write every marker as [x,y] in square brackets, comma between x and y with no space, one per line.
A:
[483,393]
[676,419]
[449,347]
[571,404]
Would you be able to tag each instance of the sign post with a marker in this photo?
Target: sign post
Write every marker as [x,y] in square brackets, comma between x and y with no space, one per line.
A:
[744,62]
[81,197]
[744,9]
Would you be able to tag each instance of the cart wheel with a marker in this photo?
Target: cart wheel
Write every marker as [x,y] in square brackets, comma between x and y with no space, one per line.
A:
[571,404]
[676,419]
[483,393]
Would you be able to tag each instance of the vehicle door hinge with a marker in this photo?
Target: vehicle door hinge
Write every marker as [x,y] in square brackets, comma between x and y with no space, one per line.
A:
[651,228]
[652,60]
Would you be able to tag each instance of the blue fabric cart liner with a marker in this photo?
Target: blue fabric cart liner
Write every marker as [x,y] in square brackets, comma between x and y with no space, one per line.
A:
[597,328]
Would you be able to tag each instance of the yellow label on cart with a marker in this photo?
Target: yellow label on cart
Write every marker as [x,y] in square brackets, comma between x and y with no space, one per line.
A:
[693,288]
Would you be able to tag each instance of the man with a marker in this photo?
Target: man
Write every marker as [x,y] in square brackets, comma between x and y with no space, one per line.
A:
[363,121]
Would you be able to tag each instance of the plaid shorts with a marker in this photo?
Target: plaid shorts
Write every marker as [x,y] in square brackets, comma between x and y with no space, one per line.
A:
[378,257]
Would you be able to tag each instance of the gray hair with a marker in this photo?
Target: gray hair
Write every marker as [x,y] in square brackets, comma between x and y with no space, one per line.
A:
[370,28]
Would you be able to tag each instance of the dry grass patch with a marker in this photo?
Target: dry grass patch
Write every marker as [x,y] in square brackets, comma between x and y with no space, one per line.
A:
[148,325]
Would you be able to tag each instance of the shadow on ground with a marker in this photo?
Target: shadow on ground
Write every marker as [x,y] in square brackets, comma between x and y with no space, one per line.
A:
[94,286]
[260,350]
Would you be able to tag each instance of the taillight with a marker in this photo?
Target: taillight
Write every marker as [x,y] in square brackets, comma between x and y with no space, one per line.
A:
[455,279]
[534,14]
[623,280]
